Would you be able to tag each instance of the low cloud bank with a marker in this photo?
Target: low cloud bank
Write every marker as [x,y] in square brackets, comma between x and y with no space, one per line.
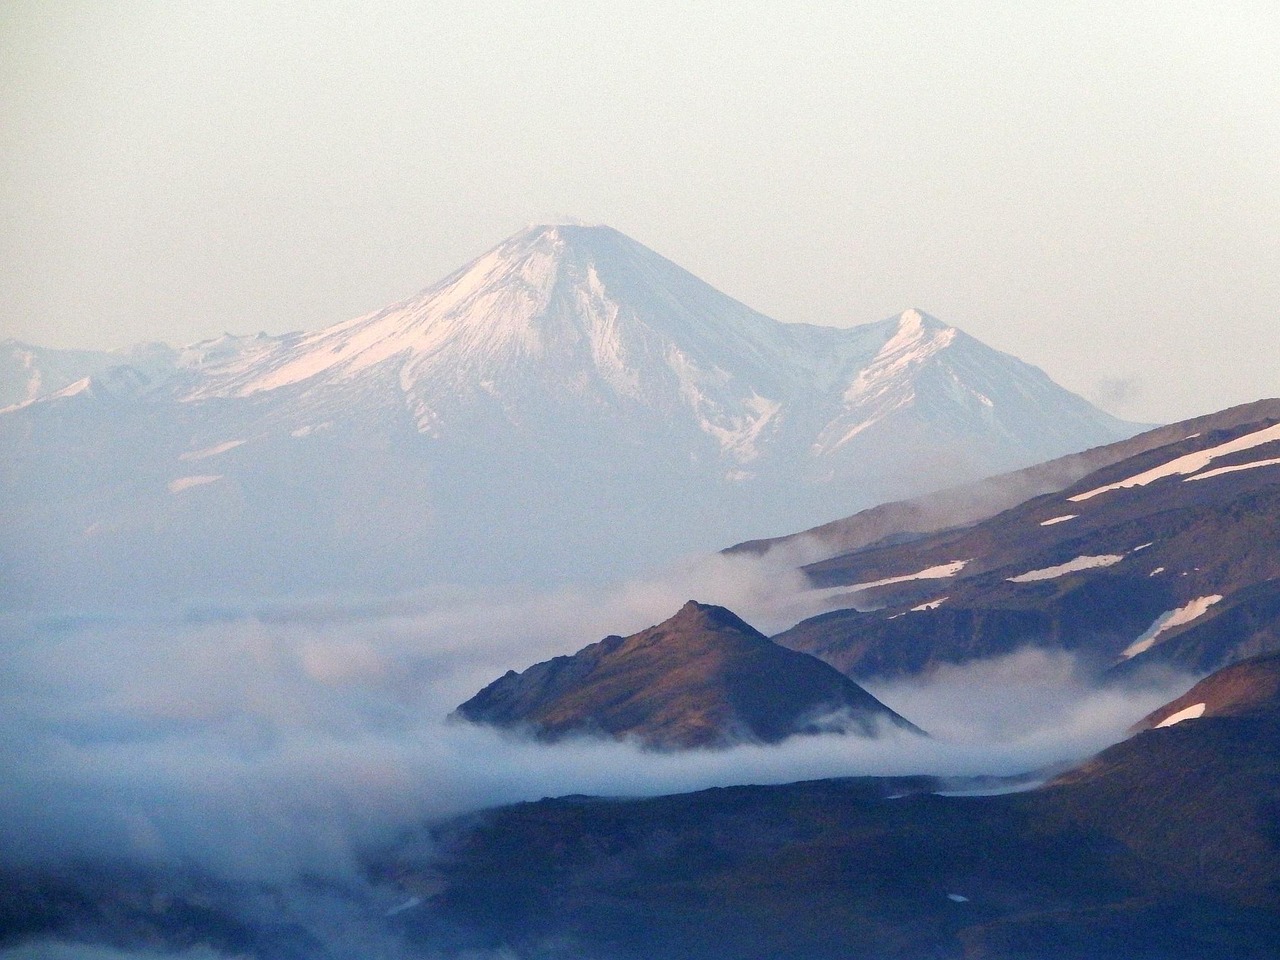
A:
[63,950]
[263,745]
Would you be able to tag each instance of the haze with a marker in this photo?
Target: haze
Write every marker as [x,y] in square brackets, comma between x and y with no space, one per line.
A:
[268,743]
[1091,189]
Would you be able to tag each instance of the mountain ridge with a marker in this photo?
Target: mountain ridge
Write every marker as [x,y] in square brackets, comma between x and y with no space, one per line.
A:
[560,293]
[1162,846]
[1162,559]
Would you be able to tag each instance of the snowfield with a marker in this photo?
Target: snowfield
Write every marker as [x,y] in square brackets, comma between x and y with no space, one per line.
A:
[1193,712]
[1167,621]
[1190,463]
[1071,566]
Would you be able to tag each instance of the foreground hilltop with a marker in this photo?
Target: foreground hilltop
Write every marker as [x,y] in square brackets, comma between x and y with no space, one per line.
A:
[1251,686]
[702,678]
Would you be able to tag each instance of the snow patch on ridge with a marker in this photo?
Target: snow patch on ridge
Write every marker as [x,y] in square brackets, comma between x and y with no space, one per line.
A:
[1063,519]
[186,483]
[740,435]
[310,428]
[1219,471]
[210,451]
[1167,621]
[885,384]
[1188,463]
[70,390]
[1071,566]
[1193,712]
[930,573]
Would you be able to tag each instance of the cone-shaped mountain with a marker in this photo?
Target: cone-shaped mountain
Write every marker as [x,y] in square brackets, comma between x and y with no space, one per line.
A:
[702,678]
[568,405]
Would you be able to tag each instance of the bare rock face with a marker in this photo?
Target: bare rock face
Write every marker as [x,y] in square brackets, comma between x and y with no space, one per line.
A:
[700,679]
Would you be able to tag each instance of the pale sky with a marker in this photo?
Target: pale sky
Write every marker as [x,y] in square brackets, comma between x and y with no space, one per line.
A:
[1094,187]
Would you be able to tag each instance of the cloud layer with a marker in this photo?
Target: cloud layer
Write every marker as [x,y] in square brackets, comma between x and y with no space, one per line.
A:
[261,745]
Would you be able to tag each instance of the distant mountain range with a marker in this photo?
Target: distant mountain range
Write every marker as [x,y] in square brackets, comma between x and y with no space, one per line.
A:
[570,404]
[1167,555]
[1158,551]
[573,405]
[702,678]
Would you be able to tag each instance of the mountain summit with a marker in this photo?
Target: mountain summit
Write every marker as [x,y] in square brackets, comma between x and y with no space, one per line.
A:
[568,404]
[583,304]
[587,323]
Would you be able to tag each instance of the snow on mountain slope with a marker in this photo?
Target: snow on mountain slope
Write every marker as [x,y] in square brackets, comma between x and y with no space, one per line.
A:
[28,372]
[569,403]
[588,316]
[574,313]
[1152,569]
[1189,463]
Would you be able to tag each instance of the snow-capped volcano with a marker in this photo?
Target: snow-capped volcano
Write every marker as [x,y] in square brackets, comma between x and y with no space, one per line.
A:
[584,316]
[569,314]
[569,400]
[563,299]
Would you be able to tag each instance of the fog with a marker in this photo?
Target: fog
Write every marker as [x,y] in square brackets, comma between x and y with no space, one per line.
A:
[264,744]
[61,950]
[55,950]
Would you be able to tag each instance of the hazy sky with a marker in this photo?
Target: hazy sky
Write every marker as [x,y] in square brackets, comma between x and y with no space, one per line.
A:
[1091,186]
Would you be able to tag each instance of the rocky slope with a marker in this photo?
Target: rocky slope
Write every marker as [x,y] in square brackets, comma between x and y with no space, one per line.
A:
[1167,557]
[701,678]
[981,499]
[1251,686]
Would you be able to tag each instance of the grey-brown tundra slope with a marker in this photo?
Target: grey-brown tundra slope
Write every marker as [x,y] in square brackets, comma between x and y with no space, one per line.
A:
[1169,557]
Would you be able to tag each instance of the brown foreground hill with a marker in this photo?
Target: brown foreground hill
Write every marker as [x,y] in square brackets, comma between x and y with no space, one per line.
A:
[702,678]
[1248,687]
